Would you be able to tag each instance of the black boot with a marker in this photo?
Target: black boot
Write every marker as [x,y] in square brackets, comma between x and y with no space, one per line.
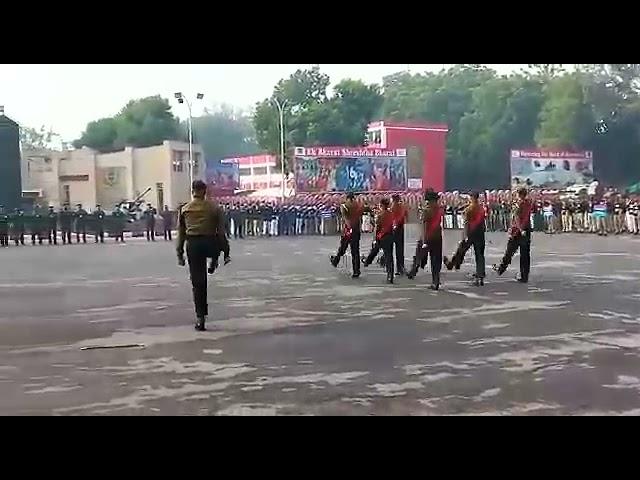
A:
[435,281]
[500,269]
[411,274]
[200,321]
[447,263]
[334,261]
[212,267]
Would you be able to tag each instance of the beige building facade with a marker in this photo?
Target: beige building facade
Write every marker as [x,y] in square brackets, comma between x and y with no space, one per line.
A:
[89,177]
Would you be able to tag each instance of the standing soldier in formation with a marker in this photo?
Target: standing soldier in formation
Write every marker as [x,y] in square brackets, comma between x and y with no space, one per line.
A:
[400,217]
[119,219]
[52,226]
[38,226]
[150,223]
[4,228]
[167,222]
[17,222]
[430,242]
[474,229]
[352,211]
[66,222]
[238,223]
[519,238]
[98,223]
[200,224]
[81,223]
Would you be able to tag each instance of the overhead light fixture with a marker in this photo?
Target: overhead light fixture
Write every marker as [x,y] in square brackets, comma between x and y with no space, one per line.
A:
[178,95]
[200,96]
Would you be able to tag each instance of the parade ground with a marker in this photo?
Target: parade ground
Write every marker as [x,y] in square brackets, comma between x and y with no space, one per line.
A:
[108,329]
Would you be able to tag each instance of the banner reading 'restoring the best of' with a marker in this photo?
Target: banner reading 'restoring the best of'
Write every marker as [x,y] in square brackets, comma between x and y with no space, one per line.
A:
[340,169]
[551,168]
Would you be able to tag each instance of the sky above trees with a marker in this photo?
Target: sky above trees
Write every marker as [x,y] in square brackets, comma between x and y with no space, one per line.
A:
[64,98]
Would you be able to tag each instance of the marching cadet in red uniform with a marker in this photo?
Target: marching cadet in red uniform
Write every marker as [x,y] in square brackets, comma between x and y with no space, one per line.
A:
[400,216]
[385,222]
[352,211]
[519,238]
[430,243]
[474,228]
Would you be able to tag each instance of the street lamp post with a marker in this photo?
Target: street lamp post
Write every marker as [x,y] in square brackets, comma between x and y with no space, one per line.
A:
[182,99]
[280,107]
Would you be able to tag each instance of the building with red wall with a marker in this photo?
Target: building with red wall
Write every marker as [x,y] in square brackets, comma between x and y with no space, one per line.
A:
[426,145]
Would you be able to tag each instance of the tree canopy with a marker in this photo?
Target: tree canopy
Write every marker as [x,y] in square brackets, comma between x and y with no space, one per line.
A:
[312,116]
[224,132]
[141,123]
[594,107]
[34,139]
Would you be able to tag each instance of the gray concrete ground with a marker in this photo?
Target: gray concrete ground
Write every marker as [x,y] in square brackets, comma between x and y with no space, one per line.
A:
[289,334]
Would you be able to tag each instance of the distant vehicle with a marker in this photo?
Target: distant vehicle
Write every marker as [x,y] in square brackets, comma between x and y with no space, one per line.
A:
[133,207]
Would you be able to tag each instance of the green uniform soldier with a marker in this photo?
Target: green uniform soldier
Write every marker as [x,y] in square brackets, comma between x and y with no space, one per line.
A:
[118,221]
[17,226]
[98,223]
[4,228]
[52,226]
[37,226]
[200,224]
[66,222]
[149,217]
[81,223]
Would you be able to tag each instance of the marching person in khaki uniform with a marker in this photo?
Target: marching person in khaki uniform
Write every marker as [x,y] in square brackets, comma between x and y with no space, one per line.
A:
[200,225]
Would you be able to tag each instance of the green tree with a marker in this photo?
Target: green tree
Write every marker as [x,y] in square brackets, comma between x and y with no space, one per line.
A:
[224,132]
[141,123]
[311,116]
[99,135]
[33,139]
[595,107]
[545,71]
[565,120]
[612,92]
[343,118]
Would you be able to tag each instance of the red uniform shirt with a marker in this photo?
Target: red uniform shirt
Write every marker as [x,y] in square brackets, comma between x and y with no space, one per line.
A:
[475,217]
[384,224]
[433,223]
[399,214]
[524,214]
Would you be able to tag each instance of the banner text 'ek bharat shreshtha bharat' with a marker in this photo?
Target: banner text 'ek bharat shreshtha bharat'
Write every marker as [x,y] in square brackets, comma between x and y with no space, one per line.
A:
[344,169]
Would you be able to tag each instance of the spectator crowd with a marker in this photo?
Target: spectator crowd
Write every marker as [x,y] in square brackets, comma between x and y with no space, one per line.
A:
[319,214]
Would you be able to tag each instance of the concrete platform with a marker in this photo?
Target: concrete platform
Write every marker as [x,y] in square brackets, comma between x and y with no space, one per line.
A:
[289,334]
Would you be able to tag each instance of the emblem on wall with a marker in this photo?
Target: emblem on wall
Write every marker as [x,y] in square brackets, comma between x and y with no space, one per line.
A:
[111,177]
